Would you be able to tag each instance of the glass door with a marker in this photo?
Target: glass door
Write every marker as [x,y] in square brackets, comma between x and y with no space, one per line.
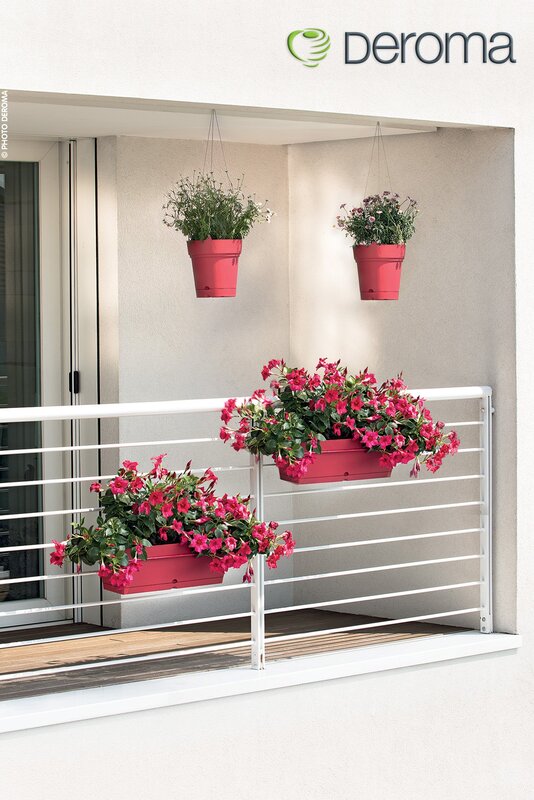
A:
[20,383]
[47,265]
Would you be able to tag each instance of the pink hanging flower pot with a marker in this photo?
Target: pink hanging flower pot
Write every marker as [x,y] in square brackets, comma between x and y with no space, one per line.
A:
[340,460]
[379,270]
[379,229]
[215,264]
[168,566]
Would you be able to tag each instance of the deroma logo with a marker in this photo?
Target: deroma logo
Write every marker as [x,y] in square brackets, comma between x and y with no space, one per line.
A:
[309,46]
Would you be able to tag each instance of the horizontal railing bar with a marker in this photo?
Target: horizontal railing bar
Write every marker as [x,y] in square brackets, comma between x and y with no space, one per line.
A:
[364,570]
[47,481]
[166,593]
[386,540]
[113,445]
[462,424]
[60,512]
[20,547]
[112,410]
[132,660]
[152,408]
[381,624]
[385,512]
[406,593]
[379,485]
[120,631]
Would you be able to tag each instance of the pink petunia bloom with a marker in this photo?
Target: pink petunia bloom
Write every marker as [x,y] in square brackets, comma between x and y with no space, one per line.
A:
[95,487]
[130,465]
[162,533]
[166,510]
[385,441]
[144,508]
[136,484]
[370,438]
[183,505]
[341,407]
[156,498]
[58,555]
[177,526]
[331,396]
[215,545]
[320,404]
[199,542]
[230,543]
[224,434]
[118,485]
[356,403]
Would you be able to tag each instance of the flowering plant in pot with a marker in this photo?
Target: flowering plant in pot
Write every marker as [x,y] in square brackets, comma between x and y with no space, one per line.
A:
[164,530]
[215,219]
[379,228]
[332,426]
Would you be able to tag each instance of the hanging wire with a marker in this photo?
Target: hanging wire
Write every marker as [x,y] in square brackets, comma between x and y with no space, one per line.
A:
[210,143]
[378,141]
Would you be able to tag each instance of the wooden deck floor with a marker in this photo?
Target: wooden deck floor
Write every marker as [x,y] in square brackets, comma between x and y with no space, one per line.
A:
[117,645]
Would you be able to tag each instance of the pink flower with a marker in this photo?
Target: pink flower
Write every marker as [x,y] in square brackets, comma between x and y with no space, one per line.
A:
[130,465]
[399,440]
[95,487]
[177,526]
[349,422]
[162,533]
[144,508]
[239,442]
[370,438]
[230,543]
[331,396]
[183,505]
[385,441]
[157,461]
[320,404]
[336,428]
[58,555]
[224,434]
[156,497]
[228,408]
[356,403]
[136,484]
[199,542]
[166,510]
[341,407]
[118,485]
[215,544]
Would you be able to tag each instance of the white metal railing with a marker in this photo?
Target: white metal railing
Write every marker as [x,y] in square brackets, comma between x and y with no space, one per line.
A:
[256,608]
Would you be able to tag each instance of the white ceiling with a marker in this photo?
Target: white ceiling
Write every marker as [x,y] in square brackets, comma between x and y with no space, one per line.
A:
[63,117]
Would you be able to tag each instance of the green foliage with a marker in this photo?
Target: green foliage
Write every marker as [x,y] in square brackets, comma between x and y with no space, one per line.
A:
[201,208]
[381,219]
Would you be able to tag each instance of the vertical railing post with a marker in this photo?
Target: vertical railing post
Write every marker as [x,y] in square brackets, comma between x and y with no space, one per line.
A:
[486,513]
[257,596]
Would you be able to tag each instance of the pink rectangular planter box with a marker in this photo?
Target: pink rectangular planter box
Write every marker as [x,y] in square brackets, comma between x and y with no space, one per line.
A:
[341,460]
[169,566]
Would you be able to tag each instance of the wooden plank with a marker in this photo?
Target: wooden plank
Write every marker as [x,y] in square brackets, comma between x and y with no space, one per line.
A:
[120,645]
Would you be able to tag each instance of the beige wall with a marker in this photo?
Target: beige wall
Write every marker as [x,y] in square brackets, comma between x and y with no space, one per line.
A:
[454,325]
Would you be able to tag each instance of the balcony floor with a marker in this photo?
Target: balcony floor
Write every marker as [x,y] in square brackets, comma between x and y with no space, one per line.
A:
[117,645]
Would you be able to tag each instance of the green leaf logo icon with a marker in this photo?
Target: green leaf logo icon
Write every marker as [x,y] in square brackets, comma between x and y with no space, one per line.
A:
[309,46]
